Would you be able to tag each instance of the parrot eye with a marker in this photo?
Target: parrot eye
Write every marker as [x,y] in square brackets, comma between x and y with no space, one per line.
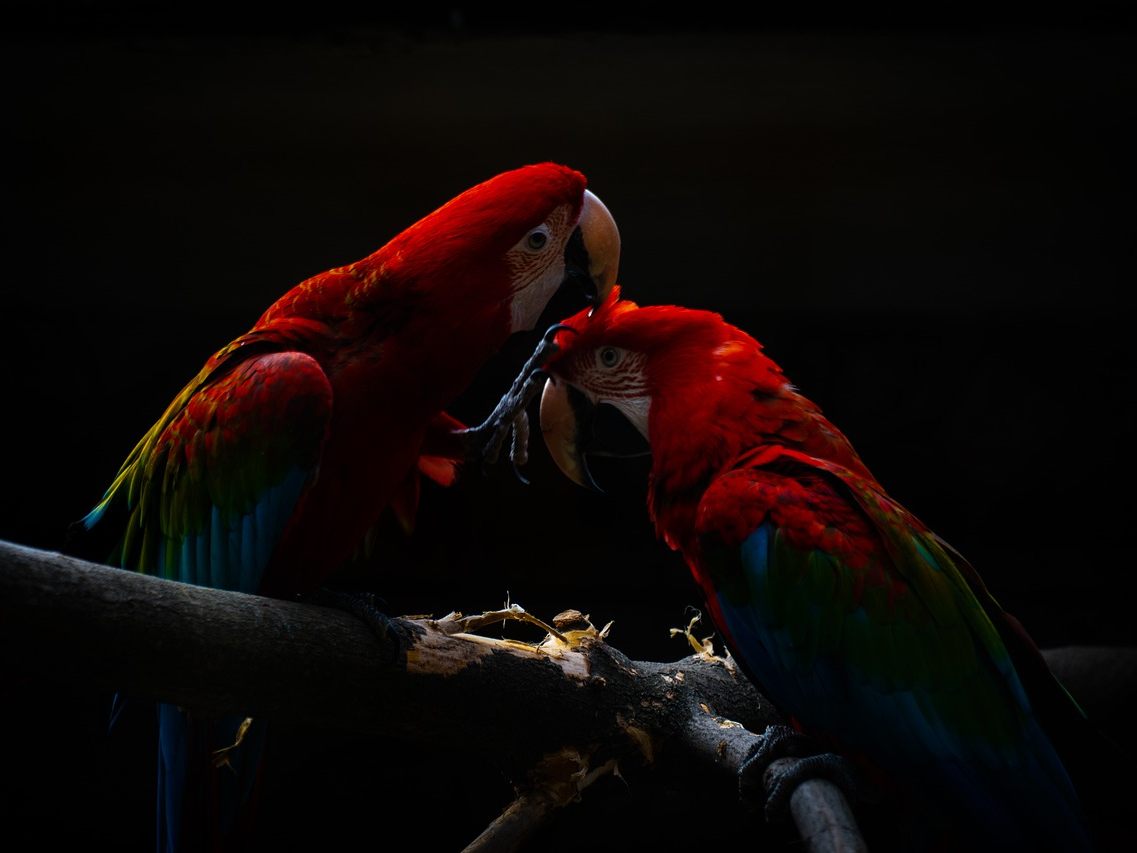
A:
[609,356]
[537,239]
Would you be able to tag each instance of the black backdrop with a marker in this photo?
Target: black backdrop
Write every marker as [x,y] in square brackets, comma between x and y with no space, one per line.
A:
[928,221]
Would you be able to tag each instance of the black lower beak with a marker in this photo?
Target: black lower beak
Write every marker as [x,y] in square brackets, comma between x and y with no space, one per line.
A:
[612,434]
[578,281]
[575,428]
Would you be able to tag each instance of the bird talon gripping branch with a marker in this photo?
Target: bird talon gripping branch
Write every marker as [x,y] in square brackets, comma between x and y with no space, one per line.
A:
[781,761]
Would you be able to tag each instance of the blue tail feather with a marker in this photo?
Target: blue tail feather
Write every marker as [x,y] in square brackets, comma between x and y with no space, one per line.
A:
[201,806]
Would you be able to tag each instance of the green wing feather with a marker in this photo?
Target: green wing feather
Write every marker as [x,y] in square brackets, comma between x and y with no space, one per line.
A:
[210,488]
[856,620]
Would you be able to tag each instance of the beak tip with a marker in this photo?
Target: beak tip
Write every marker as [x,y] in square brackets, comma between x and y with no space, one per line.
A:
[589,480]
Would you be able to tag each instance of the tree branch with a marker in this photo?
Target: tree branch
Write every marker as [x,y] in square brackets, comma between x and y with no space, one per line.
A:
[555,716]
[218,652]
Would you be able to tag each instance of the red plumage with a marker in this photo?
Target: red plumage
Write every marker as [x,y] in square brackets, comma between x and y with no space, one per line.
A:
[391,340]
[267,471]
[853,617]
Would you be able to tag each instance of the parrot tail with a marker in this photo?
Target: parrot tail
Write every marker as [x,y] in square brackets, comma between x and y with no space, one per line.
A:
[208,780]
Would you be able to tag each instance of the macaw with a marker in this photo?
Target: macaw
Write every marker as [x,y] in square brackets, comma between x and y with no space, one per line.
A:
[270,466]
[868,630]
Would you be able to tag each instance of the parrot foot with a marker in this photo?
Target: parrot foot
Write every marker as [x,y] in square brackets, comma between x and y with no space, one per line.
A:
[484,442]
[782,761]
[519,449]
[365,606]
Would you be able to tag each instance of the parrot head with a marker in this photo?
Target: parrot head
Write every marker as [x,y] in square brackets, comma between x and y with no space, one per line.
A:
[685,380]
[512,242]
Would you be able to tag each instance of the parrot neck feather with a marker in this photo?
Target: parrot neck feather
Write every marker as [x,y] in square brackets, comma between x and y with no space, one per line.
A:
[713,410]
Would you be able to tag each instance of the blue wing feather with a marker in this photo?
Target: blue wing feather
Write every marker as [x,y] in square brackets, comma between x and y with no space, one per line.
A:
[205,498]
[803,648]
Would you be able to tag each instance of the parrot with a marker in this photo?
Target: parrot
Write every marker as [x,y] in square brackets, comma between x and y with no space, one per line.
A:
[268,469]
[868,631]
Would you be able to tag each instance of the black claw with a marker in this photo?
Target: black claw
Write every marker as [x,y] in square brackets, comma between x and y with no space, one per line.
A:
[783,742]
[484,441]
[783,779]
[365,606]
[517,473]
[552,331]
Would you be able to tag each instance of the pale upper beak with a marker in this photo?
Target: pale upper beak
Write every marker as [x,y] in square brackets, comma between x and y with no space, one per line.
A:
[597,255]
[576,426]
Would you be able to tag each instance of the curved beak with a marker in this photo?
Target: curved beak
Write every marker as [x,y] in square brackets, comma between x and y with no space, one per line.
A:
[592,256]
[566,414]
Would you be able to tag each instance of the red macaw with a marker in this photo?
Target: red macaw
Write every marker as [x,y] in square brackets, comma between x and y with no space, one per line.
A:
[860,623]
[267,470]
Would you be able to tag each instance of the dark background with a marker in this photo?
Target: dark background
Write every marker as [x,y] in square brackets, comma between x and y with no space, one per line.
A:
[927,217]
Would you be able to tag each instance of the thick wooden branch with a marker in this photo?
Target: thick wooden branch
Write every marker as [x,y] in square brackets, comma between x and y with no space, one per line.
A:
[555,716]
[217,651]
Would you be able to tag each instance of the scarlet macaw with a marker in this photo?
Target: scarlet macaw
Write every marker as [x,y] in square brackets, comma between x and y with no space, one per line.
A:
[267,470]
[866,628]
